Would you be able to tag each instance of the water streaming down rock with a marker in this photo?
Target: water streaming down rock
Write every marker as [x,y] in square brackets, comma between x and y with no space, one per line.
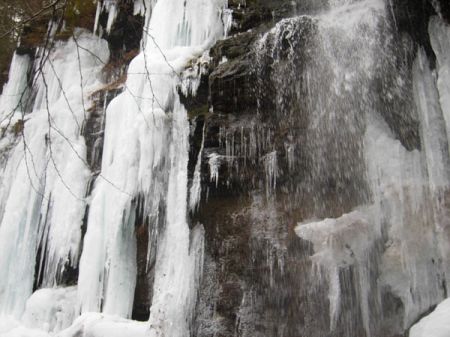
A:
[406,185]
[360,138]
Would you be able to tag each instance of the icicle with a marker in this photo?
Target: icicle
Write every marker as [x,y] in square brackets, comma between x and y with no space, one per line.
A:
[196,188]
[440,40]
[228,21]
[97,16]
[15,91]
[112,10]
[214,165]
[271,168]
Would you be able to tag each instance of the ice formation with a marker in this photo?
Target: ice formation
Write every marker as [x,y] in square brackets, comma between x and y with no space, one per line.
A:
[440,40]
[435,324]
[51,309]
[196,188]
[145,153]
[214,165]
[15,91]
[100,325]
[46,171]
[149,119]
[341,243]
[405,222]
[44,176]
[110,7]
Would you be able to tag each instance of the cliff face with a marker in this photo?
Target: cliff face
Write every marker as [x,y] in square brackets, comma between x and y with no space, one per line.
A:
[317,169]
[279,163]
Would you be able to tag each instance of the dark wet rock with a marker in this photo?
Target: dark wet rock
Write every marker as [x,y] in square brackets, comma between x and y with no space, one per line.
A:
[231,87]
[126,32]
[145,274]
[232,81]
[394,87]
[445,9]
[93,128]
[227,236]
[249,14]
[412,17]
[249,232]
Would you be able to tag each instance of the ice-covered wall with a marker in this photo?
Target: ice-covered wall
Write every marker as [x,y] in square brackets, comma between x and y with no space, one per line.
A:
[145,155]
[46,169]
[378,199]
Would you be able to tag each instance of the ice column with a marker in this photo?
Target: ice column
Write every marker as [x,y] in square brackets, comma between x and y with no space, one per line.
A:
[44,202]
[146,154]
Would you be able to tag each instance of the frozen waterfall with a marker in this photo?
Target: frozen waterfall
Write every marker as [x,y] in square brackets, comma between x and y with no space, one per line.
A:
[144,155]
[244,170]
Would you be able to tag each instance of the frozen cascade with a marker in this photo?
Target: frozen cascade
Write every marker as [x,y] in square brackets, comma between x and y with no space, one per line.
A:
[146,153]
[49,175]
[408,190]
[51,310]
[13,95]
[337,243]
[325,150]
[402,204]
[434,135]
[196,188]
[15,91]
[440,40]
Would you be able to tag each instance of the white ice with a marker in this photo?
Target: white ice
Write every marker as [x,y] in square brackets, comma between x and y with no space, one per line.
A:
[436,324]
[51,309]
[146,153]
[338,244]
[15,93]
[440,40]
[47,173]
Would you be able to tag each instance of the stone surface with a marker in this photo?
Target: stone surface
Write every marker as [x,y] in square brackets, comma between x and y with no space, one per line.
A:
[257,279]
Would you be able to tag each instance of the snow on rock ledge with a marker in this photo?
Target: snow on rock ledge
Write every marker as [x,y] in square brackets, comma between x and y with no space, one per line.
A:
[436,324]
[87,325]
[51,310]
[99,325]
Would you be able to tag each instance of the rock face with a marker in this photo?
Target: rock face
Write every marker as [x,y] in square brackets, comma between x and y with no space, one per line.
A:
[278,165]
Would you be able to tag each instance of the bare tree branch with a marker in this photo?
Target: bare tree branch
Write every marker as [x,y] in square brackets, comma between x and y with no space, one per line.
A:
[52,6]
